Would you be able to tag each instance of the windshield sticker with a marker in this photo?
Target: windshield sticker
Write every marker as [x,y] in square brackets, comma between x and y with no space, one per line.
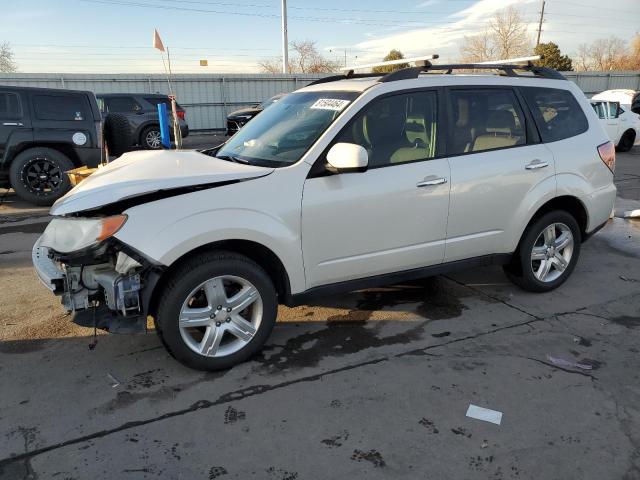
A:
[330,104]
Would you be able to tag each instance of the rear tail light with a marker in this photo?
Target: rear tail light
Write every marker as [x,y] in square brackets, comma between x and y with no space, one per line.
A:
[180,114]
[607,153]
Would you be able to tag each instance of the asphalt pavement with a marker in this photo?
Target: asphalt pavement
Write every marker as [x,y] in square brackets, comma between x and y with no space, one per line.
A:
[372,384]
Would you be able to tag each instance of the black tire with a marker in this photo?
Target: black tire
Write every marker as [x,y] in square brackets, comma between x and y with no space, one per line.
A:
[626,142]
[189,276]
[117,134]
[150,138]
[520,270]
[25,179]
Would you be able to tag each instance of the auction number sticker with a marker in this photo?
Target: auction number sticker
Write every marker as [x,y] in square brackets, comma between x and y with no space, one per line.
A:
[330,104]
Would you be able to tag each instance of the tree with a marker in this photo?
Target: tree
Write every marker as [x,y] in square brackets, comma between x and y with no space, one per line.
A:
[305,59]
[392,55]
[552,57]
[505,37]
[7,63]
[605,54]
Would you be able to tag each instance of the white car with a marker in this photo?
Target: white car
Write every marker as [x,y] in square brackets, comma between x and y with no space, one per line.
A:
[351,182]
[615,109]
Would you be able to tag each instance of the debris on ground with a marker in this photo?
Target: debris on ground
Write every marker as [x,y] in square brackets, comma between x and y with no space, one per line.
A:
[632,214]
[114,381]
[485,414]
[564,363]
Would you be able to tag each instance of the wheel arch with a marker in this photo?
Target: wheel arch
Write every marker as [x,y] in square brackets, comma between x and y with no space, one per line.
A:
[255,251]
[567,203]
[63,148]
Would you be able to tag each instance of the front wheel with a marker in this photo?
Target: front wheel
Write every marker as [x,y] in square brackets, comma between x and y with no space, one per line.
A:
[547,254]
[38,175]
[626,142]
[217,310]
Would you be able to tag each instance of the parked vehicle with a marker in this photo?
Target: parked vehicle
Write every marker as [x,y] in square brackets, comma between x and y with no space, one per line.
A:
[238,119]
[43,133]
[620,122]
[141,109]
[351,182]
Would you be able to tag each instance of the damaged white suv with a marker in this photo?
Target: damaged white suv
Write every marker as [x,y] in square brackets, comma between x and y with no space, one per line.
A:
[351,182]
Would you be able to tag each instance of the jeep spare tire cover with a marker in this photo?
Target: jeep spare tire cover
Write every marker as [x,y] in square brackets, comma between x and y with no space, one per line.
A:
[117,134]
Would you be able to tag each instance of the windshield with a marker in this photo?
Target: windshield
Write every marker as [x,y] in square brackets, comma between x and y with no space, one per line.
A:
[282,134]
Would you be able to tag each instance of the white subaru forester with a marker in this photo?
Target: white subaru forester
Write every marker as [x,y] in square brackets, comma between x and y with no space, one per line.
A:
[351,182]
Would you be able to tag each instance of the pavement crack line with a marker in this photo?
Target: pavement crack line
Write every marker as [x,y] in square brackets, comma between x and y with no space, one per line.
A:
[242,394]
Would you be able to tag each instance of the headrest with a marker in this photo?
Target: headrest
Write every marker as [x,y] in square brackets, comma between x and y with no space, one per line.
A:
[501,121]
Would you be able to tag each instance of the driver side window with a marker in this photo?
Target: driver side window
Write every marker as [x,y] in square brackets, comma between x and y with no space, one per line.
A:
[396,129]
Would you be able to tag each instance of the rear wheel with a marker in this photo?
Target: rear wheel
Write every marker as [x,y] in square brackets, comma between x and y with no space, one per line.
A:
[626,142]
[216,311]
[547,254]
[38,175]
[150,138]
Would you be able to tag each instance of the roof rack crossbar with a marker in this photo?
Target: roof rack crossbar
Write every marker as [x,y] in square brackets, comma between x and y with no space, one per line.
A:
[508,69]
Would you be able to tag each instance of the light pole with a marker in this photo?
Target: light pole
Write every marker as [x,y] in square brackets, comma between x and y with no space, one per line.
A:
[285,42]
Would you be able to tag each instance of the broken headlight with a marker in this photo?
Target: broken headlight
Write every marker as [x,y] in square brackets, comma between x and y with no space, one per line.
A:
[66,235]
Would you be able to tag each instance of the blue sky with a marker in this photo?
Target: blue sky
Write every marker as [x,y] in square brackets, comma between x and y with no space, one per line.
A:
[115,35]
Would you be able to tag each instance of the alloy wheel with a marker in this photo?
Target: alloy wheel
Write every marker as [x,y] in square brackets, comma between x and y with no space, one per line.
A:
[153,139]
[552,252]
[220,316]
[42,176]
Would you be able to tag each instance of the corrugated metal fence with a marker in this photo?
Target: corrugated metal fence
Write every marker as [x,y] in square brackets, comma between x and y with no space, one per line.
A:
[208,98]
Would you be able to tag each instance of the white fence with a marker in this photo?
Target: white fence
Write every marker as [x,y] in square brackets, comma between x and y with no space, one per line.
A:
[209,98]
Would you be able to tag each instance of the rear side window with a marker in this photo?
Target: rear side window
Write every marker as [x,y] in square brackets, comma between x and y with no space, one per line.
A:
[122,104]
[61,107]
[556,112]
[157,100]
[599,109]
[10,108]
[484,119]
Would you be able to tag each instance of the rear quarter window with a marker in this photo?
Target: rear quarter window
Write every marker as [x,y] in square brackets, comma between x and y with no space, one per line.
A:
[556,112]
[62,108]
[10,108]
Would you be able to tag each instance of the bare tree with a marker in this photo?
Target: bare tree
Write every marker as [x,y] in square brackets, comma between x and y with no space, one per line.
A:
[305,59]
[505,37]
[7,64]
[606,54]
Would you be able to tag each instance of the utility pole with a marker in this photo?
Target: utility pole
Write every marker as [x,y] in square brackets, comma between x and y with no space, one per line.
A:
[540,24]
[285,41]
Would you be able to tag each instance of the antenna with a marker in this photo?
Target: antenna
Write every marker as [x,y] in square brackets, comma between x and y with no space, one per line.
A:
[391,62]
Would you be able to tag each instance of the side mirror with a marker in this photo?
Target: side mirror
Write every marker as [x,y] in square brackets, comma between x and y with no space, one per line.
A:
[347,158]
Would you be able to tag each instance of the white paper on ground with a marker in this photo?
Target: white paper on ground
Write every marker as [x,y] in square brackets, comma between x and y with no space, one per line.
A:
[485,414]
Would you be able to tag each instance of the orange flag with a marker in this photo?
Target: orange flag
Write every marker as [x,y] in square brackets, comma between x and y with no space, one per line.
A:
[157,41]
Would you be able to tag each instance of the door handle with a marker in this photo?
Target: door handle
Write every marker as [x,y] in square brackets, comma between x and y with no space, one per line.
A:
[12,124]
[431,182]
[536,164]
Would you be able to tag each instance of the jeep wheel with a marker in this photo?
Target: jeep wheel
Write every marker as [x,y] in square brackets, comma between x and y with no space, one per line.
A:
[216,310]
[151,139]
[547,254]
[38,175]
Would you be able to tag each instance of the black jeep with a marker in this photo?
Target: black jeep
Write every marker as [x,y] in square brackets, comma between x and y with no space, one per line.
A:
[44,133]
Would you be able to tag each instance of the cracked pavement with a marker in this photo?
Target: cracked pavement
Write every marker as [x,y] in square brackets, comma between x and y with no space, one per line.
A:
[373,384]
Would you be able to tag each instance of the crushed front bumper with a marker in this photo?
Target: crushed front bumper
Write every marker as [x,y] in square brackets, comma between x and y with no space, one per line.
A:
[47,270]
[96,294]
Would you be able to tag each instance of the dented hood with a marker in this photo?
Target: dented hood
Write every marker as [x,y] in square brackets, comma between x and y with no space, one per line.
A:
[145,172]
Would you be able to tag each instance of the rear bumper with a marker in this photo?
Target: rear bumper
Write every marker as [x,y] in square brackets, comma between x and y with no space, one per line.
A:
[89,156]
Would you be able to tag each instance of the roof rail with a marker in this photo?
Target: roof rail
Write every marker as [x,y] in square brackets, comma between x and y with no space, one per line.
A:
[508,67]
